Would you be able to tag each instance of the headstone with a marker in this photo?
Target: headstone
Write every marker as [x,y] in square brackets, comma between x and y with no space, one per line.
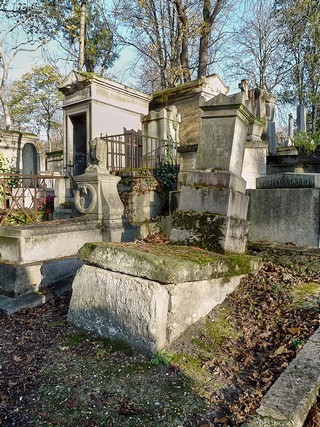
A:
[285,208]
[213,205]
[97,193]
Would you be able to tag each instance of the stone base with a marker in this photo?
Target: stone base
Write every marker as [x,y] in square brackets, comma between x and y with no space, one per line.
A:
[220,201]
[148,294]
[141,312]
[283,215]
[213,232]
[21,279]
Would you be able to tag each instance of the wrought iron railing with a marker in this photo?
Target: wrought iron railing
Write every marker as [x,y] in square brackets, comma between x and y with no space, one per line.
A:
[133,152]
[26,195]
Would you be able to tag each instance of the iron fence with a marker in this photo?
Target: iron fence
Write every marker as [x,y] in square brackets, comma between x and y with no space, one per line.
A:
[137,153]
[26,195]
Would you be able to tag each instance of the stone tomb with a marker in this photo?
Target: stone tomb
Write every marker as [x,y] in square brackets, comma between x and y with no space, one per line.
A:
[213,206]
[285,208]
[147,294]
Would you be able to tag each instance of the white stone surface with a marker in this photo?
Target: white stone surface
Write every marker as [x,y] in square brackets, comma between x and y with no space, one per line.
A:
[123,307]
[288,401]
[190,301]
[28,244]
[141,312]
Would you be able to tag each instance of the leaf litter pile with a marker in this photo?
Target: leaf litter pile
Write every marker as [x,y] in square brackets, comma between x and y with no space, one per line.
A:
[53,375]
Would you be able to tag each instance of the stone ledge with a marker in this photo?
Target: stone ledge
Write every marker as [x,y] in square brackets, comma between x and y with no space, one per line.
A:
[288,401]
[9,306]
[165,263]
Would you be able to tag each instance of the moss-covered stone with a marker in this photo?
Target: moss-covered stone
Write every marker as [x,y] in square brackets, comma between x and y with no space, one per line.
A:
[201,229]
[164,263]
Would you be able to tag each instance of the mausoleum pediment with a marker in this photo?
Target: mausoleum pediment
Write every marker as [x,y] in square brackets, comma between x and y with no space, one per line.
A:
[74,82]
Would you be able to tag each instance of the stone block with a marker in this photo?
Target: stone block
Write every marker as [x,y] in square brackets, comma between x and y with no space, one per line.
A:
[221,201]
[219,179]
[127,308]
[254,163]
[284,215]
[225,121]
[209,231]
[19,280]
[34,243]
[189,301]
[148,294]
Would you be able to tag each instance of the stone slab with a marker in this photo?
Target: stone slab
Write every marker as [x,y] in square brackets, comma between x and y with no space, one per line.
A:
[34,243]
[221,201]
[209,231]
[285,215]
[289,180]
[20,279]
[119,306]
[9,306]
[288,401]
[163,263]
[220,179]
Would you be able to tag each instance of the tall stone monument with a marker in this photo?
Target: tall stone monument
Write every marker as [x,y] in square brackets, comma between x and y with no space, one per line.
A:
[213,206]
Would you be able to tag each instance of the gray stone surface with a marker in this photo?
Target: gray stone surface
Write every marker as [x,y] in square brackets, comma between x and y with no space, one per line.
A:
[119,306]
[164,268]
[285,215]
[189,301]
[143,313]
[225,121]
[289,400]
[34,243]
[210,231]
[20,279]
[9,306]
[289,180]
[220,201]
[219,179]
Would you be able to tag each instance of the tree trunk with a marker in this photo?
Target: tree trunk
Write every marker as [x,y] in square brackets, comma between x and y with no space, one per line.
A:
[6,111]
[210,14]
[82,35]
[3,89]
[203,55]
[184,55]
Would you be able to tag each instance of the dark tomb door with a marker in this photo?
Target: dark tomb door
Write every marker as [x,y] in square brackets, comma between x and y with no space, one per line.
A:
[79,143]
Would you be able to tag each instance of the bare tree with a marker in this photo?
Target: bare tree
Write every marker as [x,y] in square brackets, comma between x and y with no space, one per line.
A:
[176,35]
[259,52]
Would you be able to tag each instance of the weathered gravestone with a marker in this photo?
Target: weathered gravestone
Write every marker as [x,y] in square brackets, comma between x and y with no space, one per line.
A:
[213,206]
[285,208]
[148,294]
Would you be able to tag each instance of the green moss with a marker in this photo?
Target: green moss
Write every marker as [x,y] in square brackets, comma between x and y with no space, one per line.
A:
[306,295]
[204,229]
[199,186]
